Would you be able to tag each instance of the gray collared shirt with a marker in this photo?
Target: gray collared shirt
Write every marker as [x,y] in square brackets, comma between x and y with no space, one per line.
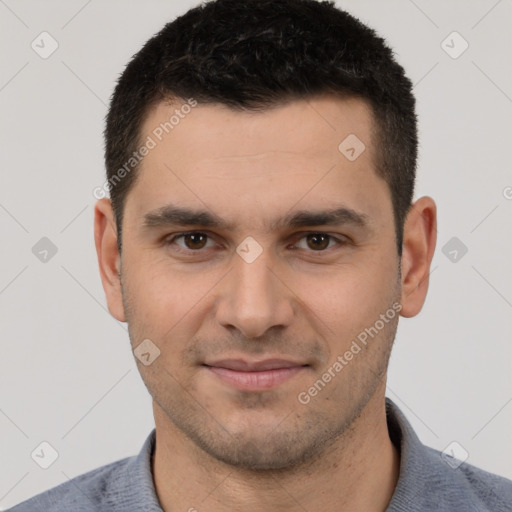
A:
[427,482]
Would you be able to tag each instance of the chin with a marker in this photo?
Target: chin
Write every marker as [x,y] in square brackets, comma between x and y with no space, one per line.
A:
[263,451]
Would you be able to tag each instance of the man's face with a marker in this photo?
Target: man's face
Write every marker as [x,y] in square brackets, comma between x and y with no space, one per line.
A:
[287,303]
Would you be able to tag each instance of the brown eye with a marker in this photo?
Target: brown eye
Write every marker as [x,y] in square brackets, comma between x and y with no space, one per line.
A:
[195,241]
[318,241]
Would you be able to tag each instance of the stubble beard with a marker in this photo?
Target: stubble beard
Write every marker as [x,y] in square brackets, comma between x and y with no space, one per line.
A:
[293,443]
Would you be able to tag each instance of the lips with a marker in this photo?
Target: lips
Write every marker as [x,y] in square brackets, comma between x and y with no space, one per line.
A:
[254,375]
[255,366]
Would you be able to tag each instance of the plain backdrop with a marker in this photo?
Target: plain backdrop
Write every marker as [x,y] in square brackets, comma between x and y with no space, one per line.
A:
[67,375]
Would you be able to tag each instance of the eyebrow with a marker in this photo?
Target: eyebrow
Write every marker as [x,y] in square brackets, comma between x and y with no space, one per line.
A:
[171,215]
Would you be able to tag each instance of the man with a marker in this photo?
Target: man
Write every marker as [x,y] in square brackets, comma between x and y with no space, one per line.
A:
[260,241]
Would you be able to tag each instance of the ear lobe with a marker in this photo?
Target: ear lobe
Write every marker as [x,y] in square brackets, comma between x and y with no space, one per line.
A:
[419,242]
[109,259]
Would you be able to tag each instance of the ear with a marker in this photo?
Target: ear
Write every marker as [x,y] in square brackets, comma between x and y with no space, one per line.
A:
[109,259]
[419,242]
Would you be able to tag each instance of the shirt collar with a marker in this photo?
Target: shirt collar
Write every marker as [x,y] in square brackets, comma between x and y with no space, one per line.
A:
[138,492]
[418,463]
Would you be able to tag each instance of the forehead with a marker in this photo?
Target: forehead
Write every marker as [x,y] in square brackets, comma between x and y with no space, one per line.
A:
[301,127]
[259,161]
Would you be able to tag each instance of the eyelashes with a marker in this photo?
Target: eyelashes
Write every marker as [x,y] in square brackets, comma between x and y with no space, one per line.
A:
[195,242]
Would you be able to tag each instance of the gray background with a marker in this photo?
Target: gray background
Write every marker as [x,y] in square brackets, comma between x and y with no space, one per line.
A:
[67,375]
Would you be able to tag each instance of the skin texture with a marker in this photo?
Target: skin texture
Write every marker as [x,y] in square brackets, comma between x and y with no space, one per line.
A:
[219,447]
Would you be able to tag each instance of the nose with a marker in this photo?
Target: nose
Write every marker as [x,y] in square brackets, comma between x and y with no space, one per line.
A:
[254,297]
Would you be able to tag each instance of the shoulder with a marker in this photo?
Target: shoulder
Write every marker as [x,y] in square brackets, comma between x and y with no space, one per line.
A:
[466,484]
[125,485]
[84,493]
[431,480]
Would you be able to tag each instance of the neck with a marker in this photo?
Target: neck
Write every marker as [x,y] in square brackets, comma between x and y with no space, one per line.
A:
[358,472]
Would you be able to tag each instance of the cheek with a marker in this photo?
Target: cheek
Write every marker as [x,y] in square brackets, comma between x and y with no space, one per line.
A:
[164,301]
[348,298]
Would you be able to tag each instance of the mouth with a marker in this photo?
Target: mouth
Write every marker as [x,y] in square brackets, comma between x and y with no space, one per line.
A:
[256,375]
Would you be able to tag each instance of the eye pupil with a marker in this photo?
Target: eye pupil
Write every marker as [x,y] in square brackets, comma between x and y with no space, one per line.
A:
[195,240]
[319,240]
